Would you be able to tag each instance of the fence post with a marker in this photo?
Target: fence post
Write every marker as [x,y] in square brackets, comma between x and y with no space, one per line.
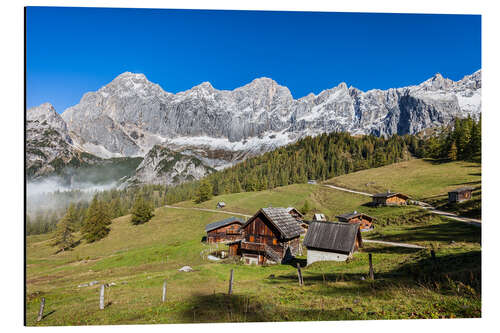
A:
[40,313]
[372,277]
[164,294]
[101,298]
[299,274]
[231,283]
[433,255]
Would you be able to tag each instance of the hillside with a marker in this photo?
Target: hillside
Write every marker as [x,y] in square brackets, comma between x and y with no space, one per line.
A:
[422,179]
[137,259]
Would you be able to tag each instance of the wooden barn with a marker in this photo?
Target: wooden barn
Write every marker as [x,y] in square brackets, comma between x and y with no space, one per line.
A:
[460,194]
[389,199]
[224,231]
[220,204]
[272,235]
[365,221]
[332,241]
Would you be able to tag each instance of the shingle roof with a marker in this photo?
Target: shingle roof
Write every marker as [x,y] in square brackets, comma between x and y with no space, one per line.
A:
[332,236]
[389,194]
[222,223]
[286,224]
[462,189]
[289,209]
[348,216]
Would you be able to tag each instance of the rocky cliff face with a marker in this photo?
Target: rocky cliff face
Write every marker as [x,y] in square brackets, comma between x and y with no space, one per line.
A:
[164,166]
[49,147]
[131,115]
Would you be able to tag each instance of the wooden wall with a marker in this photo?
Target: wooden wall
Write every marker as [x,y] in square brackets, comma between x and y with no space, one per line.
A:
[226,233]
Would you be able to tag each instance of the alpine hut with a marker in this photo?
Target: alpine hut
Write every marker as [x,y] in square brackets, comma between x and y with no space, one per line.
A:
[460,194]
[272,235]
[389,199]
[220,204]
[225,230]
[365,221]
[319,217]
[332,241]
[295,213]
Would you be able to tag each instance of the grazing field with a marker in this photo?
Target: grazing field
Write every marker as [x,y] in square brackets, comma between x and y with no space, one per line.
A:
[421,179]
[137,259]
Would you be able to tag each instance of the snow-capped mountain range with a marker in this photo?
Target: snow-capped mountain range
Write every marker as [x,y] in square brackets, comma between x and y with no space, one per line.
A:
[130,115]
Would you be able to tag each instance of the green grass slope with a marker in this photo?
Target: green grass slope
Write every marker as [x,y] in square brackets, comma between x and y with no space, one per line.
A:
[137,259]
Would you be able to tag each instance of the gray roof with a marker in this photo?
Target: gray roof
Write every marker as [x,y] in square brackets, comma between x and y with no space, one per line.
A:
[389,194]
[332,236]
[348,216]
[218,224]
[286,224]
[462,189]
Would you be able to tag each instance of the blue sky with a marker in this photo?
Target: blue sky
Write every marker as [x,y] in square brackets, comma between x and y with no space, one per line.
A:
[71,51]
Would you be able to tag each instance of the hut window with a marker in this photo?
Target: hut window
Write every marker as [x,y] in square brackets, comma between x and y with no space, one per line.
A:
[275,241]
[251,238]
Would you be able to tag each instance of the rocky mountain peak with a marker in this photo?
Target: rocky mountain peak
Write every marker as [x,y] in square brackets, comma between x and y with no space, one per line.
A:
[46,114]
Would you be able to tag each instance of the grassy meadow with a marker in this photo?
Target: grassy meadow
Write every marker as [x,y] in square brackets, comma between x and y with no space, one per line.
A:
[137,259]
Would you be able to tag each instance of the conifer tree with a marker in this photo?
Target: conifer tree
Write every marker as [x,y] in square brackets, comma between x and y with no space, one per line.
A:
[96,222]
[452,154]
[65,228]
[204,192]
[142,211]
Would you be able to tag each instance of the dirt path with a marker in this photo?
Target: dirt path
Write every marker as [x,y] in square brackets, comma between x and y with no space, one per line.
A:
[347,190]
[452,216]
[410,246]
[208,210]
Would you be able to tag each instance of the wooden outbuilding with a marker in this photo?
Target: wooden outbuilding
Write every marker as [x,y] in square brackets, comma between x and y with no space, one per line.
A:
[332,241]
[272,235]
[365,221]
[460,194]
[295,213]
[389,199]
[319,217]
[220,204]
[225,230]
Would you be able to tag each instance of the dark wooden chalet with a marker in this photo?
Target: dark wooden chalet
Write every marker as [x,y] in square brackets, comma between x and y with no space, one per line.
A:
[332,241]
[460,194]
[365,221]
[389,199]
[272,235]
[224,231]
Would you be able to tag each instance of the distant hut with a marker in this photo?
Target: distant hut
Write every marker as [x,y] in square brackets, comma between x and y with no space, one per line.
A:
[460,194]
[332,241]
[220,204]
[225,230]
[295,213]
[319,217]
[272,235]
[299,217]
[389,199]
[365,221]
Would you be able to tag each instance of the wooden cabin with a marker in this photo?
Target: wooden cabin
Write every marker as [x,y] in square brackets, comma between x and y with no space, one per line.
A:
[319,217]
[220,204]
[460,194]
[272,235]
[365,221]
[389,199]
[332,241]
[299,217]
[295,213]
[224,231]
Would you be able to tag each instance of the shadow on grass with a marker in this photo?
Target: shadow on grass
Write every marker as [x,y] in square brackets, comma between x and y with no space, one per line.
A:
[389,249]
[243,308]
[444,232]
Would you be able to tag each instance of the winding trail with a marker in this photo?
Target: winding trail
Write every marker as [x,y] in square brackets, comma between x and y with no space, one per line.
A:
[426,206]
[410,246]
[208,210]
